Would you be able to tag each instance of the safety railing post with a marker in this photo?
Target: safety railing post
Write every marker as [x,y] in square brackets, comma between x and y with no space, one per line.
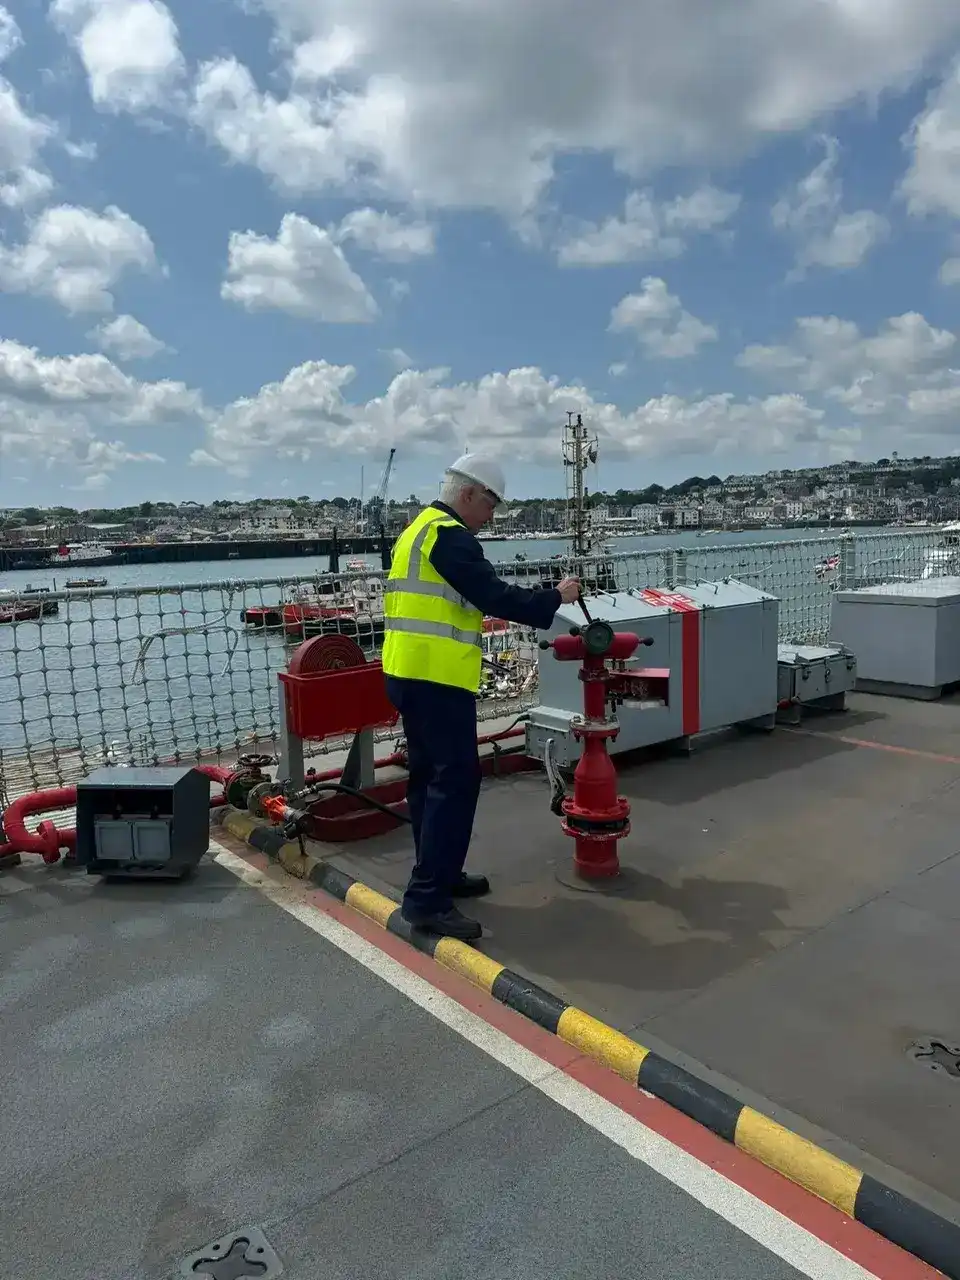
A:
[847,569]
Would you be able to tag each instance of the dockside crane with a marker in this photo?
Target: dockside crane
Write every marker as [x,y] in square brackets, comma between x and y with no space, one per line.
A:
[381,498]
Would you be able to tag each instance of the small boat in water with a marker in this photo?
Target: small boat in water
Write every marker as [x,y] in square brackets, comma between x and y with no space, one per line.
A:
[27,603]
[355,610]
[20,611]
[79,584]
[80,553]
[262,615]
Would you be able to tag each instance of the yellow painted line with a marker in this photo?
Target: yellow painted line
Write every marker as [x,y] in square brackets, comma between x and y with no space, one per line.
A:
[371,904]
[603,1043]
[801,1161]
[468,963]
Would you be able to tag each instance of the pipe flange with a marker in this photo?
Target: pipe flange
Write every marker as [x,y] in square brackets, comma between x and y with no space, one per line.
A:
[237,787]
[260,792]
[595,828]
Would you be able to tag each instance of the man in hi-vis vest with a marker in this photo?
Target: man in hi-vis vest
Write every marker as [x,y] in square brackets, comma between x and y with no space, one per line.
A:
[439,590]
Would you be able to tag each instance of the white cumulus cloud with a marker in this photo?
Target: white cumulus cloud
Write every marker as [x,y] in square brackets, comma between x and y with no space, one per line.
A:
[387,236]
[22,137]
[56,408]
[658,321]
[468,105]
[10,37]
[127,339]
[129,50]
[514,414]
[647,230]
[890,374]
[92,383]
[76,256]
[932,183]
[303,272]
[812,214]
[291,141]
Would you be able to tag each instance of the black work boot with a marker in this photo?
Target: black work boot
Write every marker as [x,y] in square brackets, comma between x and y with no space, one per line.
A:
[449,924]
[471,886]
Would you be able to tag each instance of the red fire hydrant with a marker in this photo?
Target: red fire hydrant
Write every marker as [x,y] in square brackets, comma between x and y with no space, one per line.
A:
[596,816]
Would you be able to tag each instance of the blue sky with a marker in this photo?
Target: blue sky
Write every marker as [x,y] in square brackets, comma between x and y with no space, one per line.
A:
[246,248]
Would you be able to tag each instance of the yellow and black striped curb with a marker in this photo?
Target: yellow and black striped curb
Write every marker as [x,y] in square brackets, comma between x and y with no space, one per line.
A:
[927,1235]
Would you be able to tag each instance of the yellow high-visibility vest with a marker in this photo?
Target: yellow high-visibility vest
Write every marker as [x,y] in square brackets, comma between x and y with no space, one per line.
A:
[431,632]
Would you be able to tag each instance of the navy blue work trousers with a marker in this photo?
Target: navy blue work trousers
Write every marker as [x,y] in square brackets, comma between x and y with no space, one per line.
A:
[440,725]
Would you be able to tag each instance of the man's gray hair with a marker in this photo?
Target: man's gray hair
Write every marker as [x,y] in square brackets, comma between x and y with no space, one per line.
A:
[453,486]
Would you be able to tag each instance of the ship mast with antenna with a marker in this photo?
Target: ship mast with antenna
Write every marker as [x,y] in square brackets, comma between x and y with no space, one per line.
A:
[580,450]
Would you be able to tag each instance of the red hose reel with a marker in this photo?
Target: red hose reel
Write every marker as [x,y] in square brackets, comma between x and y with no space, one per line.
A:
[331,689]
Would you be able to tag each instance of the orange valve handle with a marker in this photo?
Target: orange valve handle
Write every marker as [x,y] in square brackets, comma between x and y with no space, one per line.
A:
[275,807]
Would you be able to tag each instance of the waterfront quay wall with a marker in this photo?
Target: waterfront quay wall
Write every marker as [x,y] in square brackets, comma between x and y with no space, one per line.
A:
[184,552]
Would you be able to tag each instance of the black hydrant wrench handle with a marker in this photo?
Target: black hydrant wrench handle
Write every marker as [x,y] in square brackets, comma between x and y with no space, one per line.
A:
[583,605]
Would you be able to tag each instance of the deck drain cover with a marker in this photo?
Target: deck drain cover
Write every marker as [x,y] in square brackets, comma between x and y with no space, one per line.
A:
[242,1255]
[937,1055]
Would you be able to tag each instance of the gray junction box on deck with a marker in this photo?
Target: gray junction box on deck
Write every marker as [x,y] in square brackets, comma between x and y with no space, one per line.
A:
[149,823]
[815,675]
[906,635]
[719,642]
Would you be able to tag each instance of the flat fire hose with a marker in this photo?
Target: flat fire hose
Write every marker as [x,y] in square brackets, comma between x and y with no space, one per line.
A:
[558,787]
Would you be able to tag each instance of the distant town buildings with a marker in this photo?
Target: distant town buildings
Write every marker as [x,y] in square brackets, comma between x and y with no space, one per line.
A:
[889,491]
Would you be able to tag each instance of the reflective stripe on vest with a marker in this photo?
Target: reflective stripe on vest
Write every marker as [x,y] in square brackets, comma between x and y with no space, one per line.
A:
[419,627]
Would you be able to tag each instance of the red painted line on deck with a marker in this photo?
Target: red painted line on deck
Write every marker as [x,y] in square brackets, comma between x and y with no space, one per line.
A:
[874,1253]
[876,746]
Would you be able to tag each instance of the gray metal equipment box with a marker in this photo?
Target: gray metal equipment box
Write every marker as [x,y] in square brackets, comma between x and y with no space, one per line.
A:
[143,823]
[906,635]
[719,641]
[813,675]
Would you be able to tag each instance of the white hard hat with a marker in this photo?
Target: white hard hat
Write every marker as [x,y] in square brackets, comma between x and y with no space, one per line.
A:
[481,470]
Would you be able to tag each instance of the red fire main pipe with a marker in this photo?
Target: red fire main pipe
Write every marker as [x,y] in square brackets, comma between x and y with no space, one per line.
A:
[47,840]
[216,772]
